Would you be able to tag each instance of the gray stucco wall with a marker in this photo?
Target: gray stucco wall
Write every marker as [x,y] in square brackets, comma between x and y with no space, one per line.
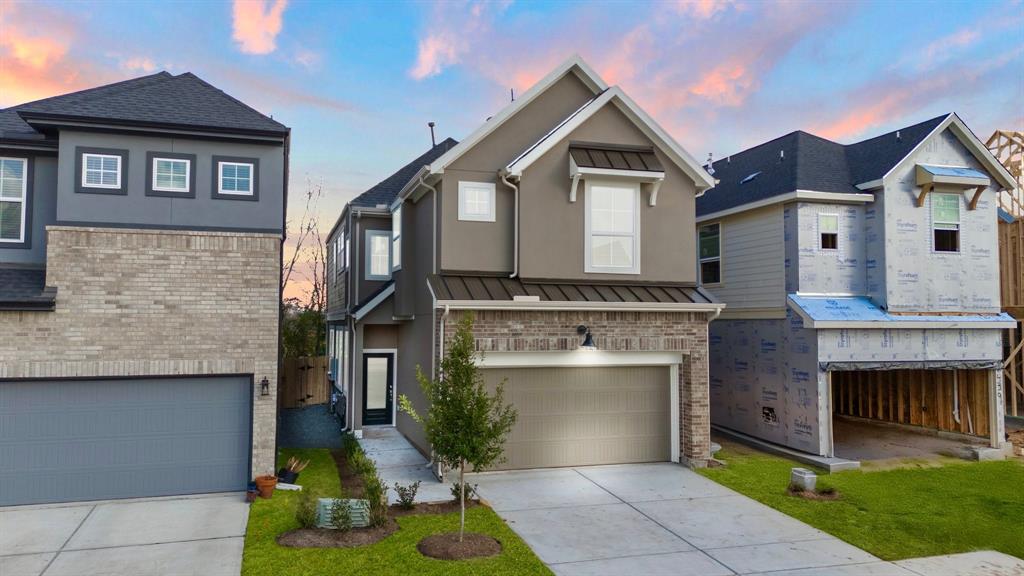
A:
[43,211]
[201,212]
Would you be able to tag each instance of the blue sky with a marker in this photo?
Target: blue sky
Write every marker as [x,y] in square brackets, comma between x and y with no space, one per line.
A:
[357,83]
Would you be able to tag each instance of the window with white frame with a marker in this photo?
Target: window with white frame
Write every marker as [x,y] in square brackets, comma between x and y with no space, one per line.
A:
[828,231]
[378,255]
[235,178]
[476,201]
[346,251]
[709,244]
[946,222]
[396,238]
[13,199]
[101,170]
[171,174]
[612,227]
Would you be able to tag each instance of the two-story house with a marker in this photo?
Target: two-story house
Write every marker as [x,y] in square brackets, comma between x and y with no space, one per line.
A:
[141,226]
[862,282]
[558,224]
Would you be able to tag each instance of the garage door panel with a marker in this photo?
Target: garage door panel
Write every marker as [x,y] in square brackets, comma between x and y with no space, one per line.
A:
[100,439]
[583,416]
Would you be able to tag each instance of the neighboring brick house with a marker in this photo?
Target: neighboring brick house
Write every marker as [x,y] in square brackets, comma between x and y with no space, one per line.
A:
[561,220]
[863,284]
[141,226]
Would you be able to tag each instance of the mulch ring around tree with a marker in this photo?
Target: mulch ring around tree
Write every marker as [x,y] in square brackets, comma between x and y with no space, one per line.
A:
[448,547]
[826,494]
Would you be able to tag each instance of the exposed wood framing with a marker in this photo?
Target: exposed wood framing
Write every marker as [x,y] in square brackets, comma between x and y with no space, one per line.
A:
[917,398]
[1008,147]
[1013,371]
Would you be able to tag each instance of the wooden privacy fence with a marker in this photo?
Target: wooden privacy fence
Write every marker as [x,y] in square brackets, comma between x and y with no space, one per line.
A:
[303,382]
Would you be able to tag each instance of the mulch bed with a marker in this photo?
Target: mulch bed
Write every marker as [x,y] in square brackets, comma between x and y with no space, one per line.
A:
[824,495]
[448,547]
[327,538]
[351,483]
[394,511]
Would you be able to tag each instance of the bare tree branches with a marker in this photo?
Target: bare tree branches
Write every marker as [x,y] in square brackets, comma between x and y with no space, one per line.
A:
[308,261]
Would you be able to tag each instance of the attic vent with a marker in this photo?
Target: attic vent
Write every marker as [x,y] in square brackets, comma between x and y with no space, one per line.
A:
[749,178]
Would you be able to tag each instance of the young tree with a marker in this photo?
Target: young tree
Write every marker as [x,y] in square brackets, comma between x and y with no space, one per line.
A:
[464,423]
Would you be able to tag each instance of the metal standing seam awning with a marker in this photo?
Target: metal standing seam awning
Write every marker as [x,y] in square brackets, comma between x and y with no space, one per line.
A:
[638,163]
[929,176]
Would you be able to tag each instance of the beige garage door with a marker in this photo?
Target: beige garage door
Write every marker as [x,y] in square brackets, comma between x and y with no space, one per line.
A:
[583,416]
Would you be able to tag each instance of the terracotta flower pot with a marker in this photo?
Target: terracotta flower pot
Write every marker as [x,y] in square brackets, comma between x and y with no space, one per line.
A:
[265,484]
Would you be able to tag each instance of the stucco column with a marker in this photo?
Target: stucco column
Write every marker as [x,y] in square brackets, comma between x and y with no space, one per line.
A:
[695,410]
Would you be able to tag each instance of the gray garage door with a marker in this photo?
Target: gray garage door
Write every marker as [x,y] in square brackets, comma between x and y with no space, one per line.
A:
[583,416]
[66,440]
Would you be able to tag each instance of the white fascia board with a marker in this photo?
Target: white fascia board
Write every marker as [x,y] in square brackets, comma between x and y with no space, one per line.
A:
[590,306]
[369,306]
[872,185]
[577,358]
[950,325]
[633,174]
[574,64]
[806,195]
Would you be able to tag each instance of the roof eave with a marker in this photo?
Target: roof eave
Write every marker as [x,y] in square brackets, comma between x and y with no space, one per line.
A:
[70,120]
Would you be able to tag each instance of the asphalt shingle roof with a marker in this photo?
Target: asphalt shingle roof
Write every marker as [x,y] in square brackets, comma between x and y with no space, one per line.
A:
[161,98]
[802,161]
[25,289]
[385,191]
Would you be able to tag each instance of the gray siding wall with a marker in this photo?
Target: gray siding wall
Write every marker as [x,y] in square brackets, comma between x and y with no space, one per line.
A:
[753,260]
[363,288]
[200,212]
[43,210]
[917,277]
[839,271]
[337,277]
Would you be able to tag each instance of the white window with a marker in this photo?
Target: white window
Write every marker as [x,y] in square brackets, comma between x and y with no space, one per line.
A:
[235,178]
[945,222]
[396,238]
[476,201]
[171,174]
[828,231]
[709,244]
[345,251]
[13,195]
[378,255]
[101,171]
[612,227]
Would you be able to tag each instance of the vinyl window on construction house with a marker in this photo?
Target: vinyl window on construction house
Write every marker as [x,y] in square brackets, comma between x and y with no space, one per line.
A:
[612,227]
[709,243]
[945,222]
[828,231]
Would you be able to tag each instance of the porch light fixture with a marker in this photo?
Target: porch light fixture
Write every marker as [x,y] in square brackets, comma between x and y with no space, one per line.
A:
[588,338]
[264,387]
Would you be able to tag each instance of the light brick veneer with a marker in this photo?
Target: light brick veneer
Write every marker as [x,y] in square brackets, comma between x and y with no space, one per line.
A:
[529,331]
[156,303]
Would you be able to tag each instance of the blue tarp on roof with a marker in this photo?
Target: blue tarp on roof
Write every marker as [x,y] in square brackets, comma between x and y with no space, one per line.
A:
[862,309]
[1006,216]
[953,171]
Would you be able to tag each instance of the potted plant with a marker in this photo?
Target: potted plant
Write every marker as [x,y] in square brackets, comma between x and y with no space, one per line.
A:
[290,473]
[265,485]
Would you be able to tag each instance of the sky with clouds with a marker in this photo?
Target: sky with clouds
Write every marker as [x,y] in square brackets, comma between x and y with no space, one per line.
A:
[357,82]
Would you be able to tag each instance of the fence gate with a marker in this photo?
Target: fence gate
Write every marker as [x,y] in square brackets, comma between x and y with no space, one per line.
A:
[304,382]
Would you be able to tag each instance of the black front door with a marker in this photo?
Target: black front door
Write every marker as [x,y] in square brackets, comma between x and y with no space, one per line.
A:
[378,388]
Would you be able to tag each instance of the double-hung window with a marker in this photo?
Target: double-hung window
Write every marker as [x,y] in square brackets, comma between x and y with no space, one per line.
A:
[171,174]
[13,199]
[946,222]
[378,255]
[709,242]
[828,231]
[476,201]
[101,171]
[612,227]
[396,238]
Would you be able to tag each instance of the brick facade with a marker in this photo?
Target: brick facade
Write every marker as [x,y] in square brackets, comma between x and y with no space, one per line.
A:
[156,303]
[531,331]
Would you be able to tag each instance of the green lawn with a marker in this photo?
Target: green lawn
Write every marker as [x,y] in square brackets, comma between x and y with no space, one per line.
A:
[920,510]
[396,554]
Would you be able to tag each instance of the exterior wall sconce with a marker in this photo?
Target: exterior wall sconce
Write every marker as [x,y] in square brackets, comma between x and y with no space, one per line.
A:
[588,338]
[264,387]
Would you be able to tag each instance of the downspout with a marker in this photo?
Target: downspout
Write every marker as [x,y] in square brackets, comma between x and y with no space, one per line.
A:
[503,173]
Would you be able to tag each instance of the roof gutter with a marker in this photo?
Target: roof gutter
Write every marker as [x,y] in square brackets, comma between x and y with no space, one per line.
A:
[504,174]
[713,308]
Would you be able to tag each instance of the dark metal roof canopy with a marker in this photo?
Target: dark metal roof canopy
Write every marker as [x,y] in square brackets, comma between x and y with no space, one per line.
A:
[496,289]
[615,157]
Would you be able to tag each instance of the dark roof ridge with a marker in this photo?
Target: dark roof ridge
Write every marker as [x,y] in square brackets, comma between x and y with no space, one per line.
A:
[902,129]
[228,96]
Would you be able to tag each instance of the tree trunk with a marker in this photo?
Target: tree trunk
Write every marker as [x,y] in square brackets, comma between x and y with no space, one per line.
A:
[462,498]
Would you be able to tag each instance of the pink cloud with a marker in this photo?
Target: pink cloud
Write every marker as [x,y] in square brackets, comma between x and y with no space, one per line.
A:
[454,29]
[139,64]
[703,9]
[257,24]
[436,52]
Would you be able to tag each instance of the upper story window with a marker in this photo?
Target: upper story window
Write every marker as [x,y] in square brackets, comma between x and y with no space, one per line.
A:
[396,238]
[345,252]
[171,174]
[709,243]
[13,199]
[101,171]
[612,227]
[378,255]
[828,231]
[236,178]
[476,201]
[946,222]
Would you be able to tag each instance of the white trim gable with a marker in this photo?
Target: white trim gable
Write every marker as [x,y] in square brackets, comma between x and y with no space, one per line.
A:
[641,119]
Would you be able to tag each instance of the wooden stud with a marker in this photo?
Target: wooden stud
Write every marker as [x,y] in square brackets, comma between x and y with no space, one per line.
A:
[924,192]
[899,395]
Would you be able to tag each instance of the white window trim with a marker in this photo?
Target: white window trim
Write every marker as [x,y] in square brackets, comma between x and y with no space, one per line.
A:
[85,170]
[589,267]
[188,176]
[721,267]
[346,252]
[396,239]
[369,256]
[463,215]
[959,217]
[23,200]
[820,233]
[220,178]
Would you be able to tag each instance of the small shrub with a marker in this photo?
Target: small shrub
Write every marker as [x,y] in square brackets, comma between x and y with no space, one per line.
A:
[350,445]
[361,464]
[306,509]
[340,515]
[407,495]
[377,494]
[457,492]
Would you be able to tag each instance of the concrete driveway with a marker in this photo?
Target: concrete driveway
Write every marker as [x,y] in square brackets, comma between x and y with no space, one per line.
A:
[201,535]
[665,519]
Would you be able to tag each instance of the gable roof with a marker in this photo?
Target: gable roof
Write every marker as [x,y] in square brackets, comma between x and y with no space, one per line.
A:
[385,191]
[804,162]
[161,99]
